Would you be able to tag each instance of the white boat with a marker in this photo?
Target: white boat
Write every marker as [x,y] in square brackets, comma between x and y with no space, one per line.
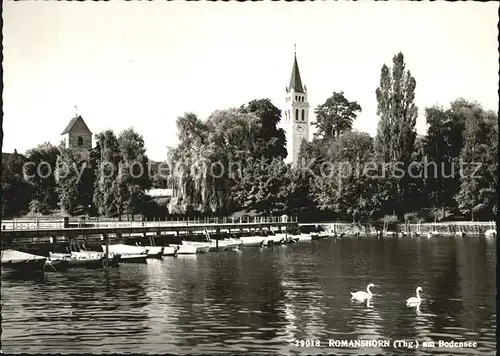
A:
[87,254]
[170,251]
[252,241]
[323,234]
[82,259]
[278,238]
[154,251]
[122,249]
[304,237]
[130,254]
[490,233]
[274,239]
[229,244]
[17,260]
[234,243]
[201,247]
[186,249]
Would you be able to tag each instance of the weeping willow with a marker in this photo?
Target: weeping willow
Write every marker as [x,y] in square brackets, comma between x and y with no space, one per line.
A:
[202,160]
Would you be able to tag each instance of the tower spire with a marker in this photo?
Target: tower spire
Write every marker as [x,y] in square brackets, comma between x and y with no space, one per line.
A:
[295,80]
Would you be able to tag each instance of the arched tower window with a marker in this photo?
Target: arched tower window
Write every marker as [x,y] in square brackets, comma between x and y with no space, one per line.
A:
[80,141]
[303,119]
[297,114]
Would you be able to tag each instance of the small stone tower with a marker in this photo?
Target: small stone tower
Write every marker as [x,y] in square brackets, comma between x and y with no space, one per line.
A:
[78,136]
[296,114]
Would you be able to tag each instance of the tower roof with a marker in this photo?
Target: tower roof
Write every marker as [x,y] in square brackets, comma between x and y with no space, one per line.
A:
[295,81]
[73,122]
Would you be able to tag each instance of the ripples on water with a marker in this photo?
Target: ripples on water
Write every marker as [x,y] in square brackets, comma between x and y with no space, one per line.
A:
[261,300]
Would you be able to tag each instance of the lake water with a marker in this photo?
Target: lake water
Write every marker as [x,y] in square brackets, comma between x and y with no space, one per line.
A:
[264,301]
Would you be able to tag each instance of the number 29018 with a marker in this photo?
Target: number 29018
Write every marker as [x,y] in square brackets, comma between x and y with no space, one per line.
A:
[307,343]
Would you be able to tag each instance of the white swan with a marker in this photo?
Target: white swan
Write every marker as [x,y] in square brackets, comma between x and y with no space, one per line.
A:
[415,301]
[363,295]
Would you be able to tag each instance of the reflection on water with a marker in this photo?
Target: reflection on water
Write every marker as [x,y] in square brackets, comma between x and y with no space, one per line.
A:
[261,300]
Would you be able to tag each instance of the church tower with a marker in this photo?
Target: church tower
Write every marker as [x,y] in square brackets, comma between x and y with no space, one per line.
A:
[296,114]
[78,136]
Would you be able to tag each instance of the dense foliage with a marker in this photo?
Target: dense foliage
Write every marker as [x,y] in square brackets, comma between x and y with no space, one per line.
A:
[234,161]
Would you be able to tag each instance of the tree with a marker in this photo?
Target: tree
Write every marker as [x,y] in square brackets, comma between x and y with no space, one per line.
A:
[69,168]
[210,157]
[105,186]
[416,183]
[344,184]
[477,195]
[271,140]
[442,147]
[335,116]
[133,178]
[15,190]
[263,186]
[39,174]
[396,128]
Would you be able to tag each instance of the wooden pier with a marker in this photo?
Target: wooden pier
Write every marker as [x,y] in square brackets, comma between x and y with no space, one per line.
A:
[70,228]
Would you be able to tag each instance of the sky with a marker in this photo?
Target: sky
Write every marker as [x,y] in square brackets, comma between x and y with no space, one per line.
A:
[143,64]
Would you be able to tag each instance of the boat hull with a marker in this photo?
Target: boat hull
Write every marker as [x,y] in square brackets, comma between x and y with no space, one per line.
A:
[186,250]
[122,249]
[170,251]
[134,258]
[84,259]
[21,261]
[490,233]
[29,265]
[202,249]
[56,265]
[304,237]
[155,253]
[221,246]
[252,241]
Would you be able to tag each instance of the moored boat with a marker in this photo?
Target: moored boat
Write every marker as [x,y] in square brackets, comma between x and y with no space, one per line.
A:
[252,241]
[122,249]
[154,251]
[186,249]
[56,265]
[128,254]
[21,261]
[490,233]
[303,237]
[82,259]
[170,251]
[201,247]
[324,233]
[134,258]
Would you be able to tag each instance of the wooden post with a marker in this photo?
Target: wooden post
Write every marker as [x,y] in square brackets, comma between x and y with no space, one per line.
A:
[106,259]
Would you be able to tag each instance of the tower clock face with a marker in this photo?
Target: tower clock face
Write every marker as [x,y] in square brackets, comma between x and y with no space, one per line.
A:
[300,129]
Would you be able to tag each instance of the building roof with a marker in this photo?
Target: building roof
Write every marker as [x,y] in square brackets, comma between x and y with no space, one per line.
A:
[73,122]
[295,81]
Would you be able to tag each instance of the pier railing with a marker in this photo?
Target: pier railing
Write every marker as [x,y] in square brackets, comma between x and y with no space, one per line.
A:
[61,223]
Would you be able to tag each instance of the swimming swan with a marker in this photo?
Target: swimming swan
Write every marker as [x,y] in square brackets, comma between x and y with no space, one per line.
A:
[363,295]
[414,301]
